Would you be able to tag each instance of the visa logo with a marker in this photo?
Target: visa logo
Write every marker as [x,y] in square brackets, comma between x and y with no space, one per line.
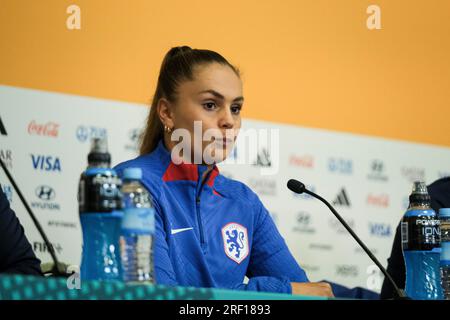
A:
[380,229]
[46,163]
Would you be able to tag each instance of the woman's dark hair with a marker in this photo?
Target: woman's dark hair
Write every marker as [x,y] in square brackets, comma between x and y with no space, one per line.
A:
[178,66]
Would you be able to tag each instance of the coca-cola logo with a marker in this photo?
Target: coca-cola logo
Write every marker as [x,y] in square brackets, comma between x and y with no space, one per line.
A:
[378,200]
[305,161]
[49,129]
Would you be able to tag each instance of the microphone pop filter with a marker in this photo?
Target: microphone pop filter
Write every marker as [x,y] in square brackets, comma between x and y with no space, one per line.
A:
[296,186]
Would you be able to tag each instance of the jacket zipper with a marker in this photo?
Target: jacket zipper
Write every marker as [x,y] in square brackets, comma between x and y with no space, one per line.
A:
[199,218]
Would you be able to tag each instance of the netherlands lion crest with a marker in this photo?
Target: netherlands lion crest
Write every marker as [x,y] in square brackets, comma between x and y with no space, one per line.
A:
[235,241]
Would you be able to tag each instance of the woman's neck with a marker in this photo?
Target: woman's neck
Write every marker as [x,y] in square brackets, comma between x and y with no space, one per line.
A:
[170,145]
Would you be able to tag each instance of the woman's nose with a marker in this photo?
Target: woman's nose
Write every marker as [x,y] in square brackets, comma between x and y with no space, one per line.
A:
[226,119]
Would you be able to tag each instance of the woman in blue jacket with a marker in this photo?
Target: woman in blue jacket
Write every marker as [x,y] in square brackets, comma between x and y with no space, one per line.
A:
[211,231]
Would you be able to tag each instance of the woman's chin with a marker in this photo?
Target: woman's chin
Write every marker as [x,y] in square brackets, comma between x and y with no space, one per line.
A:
[216,157]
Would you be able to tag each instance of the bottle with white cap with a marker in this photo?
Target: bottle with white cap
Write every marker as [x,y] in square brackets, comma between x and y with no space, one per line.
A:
[137,229]
[444,217]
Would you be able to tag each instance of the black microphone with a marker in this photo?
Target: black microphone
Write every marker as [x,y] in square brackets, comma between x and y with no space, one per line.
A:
[56,267]
[298,187]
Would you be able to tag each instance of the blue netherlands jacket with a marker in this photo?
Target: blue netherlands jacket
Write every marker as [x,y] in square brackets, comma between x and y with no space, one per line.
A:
[16,254]
[212,232]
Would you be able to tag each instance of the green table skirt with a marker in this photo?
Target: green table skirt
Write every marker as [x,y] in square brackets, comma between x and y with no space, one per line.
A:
[20,287]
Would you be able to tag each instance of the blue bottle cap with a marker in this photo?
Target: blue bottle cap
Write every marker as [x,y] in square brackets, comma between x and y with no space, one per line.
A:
[444,212]
[132,173]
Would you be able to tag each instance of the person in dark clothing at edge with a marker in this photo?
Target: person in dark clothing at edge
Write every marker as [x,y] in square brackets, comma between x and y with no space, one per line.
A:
[16,254]
[440,198]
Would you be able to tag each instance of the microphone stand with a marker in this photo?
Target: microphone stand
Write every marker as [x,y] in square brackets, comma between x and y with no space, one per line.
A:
[301,188]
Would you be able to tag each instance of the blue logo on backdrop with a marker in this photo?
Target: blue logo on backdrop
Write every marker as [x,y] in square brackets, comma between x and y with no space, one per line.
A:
[8,191]
[85,133]
[340,165]
[46,163]
[380,230]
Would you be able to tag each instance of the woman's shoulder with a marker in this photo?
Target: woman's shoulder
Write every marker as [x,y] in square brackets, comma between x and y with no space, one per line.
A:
[237,189]
[152,169]
[241,193]
[143,161]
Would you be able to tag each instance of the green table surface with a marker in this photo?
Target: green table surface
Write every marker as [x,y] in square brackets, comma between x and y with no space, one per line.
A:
[20,287]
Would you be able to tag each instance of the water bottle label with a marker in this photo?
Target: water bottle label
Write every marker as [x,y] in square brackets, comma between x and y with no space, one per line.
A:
[99,191]
[139,220]
[420,232]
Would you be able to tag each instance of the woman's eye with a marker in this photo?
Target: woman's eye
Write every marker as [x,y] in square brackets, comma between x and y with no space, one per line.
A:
[209,105]
[236,109]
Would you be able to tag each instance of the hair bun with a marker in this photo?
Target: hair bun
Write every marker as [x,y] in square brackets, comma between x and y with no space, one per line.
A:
[177,50]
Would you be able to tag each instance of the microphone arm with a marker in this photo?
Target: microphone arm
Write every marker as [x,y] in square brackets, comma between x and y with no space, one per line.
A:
[298,187]
[55,269]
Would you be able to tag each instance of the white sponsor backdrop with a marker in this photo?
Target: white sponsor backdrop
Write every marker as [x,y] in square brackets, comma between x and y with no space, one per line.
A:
[368,179]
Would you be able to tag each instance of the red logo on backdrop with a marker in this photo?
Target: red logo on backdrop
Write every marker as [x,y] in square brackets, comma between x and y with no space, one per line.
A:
[49,129]
[305,161]
[381,200]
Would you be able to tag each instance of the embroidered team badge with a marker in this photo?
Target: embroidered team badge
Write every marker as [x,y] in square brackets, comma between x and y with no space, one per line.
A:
[235,241]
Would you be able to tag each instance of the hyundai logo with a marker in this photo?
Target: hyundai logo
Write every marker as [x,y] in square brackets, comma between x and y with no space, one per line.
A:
[45,193]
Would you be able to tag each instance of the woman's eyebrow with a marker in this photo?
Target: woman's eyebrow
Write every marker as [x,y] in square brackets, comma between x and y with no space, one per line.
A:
[219,95]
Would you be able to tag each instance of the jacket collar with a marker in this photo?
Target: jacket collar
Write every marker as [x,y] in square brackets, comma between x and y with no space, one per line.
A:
[183,171]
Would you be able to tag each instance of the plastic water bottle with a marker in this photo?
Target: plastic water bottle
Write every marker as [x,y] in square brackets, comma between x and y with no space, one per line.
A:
[420,244]
[137,231]
[444,216]
[100,201]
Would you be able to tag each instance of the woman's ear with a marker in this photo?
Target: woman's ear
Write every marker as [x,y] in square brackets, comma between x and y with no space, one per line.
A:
[165,112]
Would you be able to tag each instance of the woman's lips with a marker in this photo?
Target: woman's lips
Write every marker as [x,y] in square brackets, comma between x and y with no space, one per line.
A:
[225,142]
